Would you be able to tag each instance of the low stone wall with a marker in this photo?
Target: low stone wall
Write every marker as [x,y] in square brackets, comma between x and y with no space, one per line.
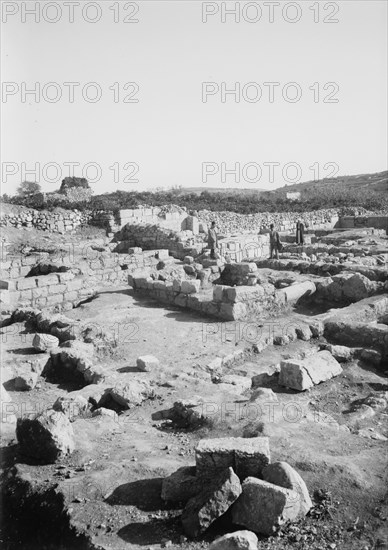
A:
[58,221]
[221,301]
[244,247]
[152,236]
[69,281]
[374,273]
[47,291]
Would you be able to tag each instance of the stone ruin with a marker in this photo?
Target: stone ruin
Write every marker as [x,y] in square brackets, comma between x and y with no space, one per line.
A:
[333,293]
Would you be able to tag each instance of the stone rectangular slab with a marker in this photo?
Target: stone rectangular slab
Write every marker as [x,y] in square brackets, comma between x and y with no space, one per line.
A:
[247,456]
[263,507]
[303,375]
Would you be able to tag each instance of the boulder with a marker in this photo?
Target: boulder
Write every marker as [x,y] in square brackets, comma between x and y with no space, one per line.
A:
[146,363]
[282,474]
[304,374]
[71,405]
[46,437]
[357,287]
[264,507]
[45,342]
[210,504]
[181,485]
[129,394]
[240,540]
[26,381]
[189,413]
[247,457]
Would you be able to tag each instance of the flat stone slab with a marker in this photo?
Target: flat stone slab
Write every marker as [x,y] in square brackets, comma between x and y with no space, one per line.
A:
[304,374]
[247,456]
[264,507]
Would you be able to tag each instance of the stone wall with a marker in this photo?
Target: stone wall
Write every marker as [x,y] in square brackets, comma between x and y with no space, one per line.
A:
[70,280]
[357,222]
[47,291]
[58,221]
[152,236]
[231,222]
[221,301]
[176,219]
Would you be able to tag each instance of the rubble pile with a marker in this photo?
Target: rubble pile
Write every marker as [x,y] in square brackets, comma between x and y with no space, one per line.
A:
[235,475]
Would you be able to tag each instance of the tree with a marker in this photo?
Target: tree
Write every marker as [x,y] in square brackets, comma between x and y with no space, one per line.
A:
[27,188]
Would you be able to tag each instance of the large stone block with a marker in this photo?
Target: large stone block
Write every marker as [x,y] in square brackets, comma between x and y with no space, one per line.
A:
[247,456]
[282,474]
[264,507]
[304,374]
[202,510]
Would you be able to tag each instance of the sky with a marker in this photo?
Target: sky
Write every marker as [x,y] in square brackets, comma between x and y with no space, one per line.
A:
[134,95]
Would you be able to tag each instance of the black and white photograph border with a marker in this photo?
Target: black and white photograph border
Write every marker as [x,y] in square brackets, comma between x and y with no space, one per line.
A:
[193,275]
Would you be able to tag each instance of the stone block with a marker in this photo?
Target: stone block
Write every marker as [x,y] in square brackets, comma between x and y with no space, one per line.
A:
[215,499]
[304,374]
[26,284]
[75,284]
[66,276]
[45,342]
[300,290]
[233,312]
[239,540]
[147,363]
[47,280]
[247,456]
[244,293]
[190,287]
[283,475]
[263,507]
[57,289]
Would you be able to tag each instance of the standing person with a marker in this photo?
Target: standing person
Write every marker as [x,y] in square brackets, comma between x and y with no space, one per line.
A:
[274,242]
[299,232]
[213,240]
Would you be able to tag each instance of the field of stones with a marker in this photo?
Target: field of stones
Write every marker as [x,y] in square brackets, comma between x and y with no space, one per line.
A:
[154,397]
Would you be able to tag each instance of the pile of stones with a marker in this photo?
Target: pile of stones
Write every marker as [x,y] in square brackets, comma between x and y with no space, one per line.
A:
[235,476]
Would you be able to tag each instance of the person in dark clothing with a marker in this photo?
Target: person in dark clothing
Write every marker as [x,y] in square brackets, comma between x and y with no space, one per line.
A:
[213,240]
[274,242]
[299,232]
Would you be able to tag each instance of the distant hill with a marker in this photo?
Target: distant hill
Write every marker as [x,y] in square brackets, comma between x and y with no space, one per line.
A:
[230,190]
[377,183]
